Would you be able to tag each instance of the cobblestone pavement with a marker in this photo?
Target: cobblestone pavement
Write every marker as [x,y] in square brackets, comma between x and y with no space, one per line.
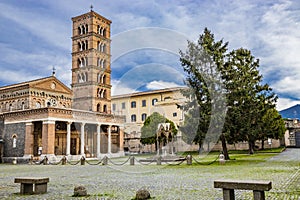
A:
[289,189]
[163,182]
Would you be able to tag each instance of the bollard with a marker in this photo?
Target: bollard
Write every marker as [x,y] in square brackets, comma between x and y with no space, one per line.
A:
[63,160]
[158,161]
[82,160]
[45,161]
[222,159]
[105,160]
[132,160]
[14,161]
[189,159]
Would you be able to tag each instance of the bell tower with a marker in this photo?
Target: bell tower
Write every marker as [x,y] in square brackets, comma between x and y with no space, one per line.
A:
[91,72]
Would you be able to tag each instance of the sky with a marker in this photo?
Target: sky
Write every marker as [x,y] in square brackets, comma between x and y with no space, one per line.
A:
[35,36]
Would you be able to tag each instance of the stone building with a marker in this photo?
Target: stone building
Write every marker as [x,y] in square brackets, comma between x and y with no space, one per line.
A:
[138,106]
[292,133]
[291,117]
[44,117]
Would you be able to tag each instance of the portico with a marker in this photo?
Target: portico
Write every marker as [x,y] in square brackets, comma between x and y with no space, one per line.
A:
[55,132]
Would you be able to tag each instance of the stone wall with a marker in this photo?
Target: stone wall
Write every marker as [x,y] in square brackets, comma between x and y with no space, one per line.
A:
[11,130]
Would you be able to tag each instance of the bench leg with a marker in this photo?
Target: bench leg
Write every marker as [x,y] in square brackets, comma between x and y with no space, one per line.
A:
[26,188]
[258,195]
[228,194]
[40,188]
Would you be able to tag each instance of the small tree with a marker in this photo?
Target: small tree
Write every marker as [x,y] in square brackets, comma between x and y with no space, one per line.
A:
[272,126]
[149,129]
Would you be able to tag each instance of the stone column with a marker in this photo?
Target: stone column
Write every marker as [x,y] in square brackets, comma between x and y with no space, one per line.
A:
[98,140]
[48,137]
[29,139]
[121,135]
[68,138]
[109,139]
[82,139]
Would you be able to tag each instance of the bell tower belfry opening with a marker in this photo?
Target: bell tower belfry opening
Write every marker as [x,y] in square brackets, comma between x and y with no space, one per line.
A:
[91,70]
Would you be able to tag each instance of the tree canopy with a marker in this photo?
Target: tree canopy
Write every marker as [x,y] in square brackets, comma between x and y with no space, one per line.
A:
[149,129]
[212,73]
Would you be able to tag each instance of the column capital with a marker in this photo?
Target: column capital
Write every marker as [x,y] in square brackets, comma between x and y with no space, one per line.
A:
[29,123]
[69,122]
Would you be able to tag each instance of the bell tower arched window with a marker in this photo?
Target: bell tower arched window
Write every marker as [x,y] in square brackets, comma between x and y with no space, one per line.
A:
[98,107]
[104,79]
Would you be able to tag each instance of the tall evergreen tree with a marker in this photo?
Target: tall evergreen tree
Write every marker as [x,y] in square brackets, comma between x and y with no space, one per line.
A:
[211,73]
[248,99]
[206,108]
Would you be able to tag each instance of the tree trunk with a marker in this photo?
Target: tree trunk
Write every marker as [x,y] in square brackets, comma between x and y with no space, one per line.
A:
[262,144]
[224,147]
[251,147]
[208,147]
[200,148]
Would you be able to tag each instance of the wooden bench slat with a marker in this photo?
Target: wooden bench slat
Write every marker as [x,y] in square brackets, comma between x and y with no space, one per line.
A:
[244,185]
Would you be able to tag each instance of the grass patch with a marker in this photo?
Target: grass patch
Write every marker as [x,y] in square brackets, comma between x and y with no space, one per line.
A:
[236,158]
[108,195]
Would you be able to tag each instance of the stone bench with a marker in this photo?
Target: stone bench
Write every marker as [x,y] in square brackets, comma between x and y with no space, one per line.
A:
[32,185]
[258,187]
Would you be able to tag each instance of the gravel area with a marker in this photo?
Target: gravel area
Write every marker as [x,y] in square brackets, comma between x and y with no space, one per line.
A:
[163,181]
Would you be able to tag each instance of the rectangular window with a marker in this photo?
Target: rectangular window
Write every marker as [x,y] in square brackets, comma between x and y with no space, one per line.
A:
[114,107]
[123,105]
[144,103]
[133,118]
[144,116]
[133,104]
[175,114]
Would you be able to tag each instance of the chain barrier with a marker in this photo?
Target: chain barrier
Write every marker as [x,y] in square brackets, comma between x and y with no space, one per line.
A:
[75,163]
[98,163]
[142,162]
[104,160]
[119,164]
[178,162]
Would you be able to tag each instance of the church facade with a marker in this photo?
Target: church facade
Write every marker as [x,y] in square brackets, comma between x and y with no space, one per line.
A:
[44,117]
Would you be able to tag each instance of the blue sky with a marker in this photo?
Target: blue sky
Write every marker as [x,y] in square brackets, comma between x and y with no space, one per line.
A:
[146,37]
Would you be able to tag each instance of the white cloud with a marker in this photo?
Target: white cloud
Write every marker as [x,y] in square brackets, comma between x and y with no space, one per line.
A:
[41,24]
[119,88]
[35,65]
[155,85]
[12,76]
[148,37]
[288,85]
[284,103]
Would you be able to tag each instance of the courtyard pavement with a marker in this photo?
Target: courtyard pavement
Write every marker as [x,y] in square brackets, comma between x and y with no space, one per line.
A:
[163,181]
